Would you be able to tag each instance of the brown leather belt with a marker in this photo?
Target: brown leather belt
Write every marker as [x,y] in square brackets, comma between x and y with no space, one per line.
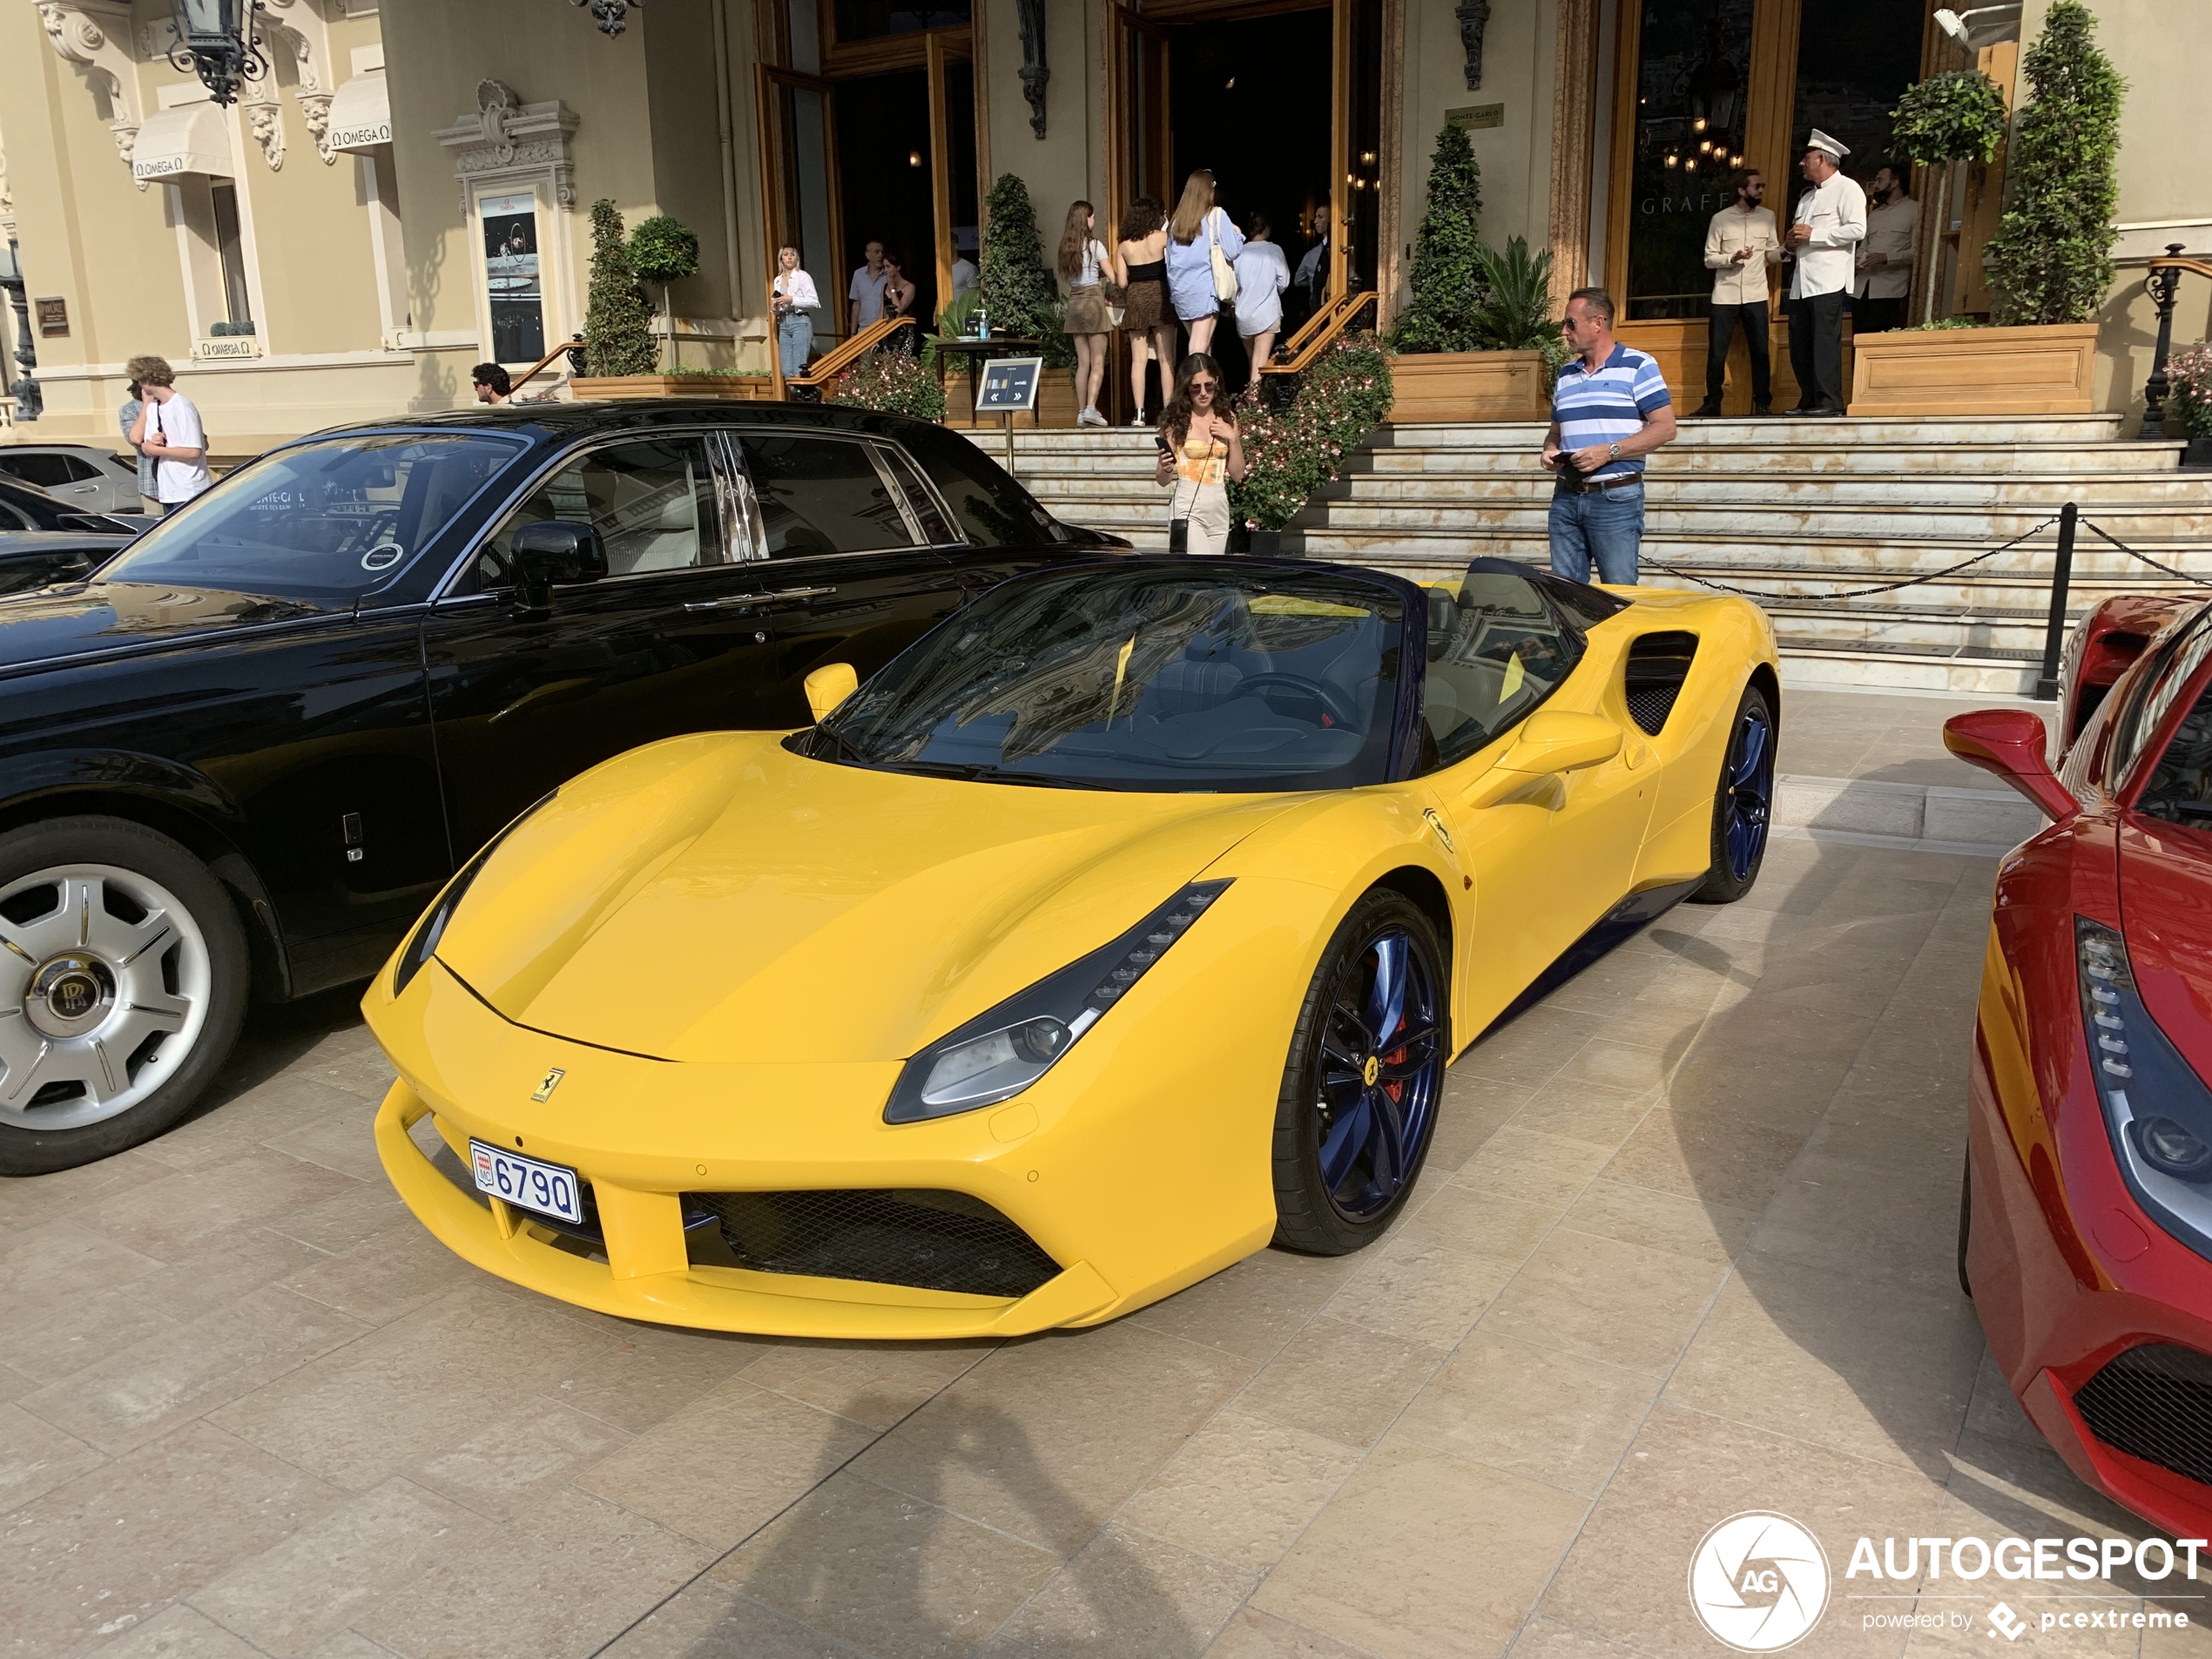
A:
[1595,486]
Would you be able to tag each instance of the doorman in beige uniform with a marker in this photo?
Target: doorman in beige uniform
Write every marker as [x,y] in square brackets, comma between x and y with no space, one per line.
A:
[1740,244]
[1831,224]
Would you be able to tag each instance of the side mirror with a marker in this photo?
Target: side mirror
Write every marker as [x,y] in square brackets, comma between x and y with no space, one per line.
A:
[1559,741]
[2010,742]
[828,687]
[553,552]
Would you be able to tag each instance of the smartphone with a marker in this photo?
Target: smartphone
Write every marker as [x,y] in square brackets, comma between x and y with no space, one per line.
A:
[1160,442]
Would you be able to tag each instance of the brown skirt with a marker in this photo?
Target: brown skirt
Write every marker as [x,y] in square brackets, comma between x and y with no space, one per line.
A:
[1145,306]
[1087,311]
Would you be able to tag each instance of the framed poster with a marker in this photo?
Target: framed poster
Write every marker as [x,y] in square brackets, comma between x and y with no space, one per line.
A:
[511,275]
[1009,383]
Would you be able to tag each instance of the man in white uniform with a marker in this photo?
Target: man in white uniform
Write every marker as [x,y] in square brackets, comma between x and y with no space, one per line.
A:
[1885,257]
[1831,224]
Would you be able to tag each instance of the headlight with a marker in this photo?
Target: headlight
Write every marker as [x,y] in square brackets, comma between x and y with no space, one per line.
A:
[997,1054]
[422,944]
[2157,1108]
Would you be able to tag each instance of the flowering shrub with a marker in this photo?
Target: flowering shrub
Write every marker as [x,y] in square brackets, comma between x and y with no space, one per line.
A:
[2189,374]
[894,382]
[1289,453]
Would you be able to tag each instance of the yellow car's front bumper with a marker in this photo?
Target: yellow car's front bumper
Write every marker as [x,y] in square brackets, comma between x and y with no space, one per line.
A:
[1133,1190]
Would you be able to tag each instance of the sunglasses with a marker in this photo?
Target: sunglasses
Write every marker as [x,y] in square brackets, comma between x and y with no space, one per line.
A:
[1202,385]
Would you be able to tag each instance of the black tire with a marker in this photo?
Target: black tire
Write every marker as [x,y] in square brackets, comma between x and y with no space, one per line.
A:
[1724,883]
[1966,1224]
[1307,1217]
[200,965]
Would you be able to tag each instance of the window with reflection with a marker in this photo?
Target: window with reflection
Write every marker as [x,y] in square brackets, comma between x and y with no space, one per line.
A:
[875,19]
[1692,86]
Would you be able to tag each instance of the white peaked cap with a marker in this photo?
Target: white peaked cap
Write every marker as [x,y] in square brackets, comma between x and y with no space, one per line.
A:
[1835,147]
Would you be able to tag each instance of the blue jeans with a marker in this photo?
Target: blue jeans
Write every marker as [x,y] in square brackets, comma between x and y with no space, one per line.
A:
[794,340]
[1601,528]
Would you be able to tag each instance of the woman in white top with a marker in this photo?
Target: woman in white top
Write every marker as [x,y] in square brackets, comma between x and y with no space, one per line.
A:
[1262,274]
[1085,266]
[795,303]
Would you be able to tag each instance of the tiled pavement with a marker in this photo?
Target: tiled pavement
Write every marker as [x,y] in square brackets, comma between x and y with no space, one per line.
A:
[1683,1248]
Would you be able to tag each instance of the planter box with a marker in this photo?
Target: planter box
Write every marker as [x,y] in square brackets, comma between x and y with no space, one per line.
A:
[2050,369]
[1468,386]
[2197,457]
[729,389]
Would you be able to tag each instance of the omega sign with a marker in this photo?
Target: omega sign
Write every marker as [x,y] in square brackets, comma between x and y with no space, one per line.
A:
[160,167]
[359,138]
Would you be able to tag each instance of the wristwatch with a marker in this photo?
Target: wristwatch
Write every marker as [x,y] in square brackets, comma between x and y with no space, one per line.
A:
[1612,450]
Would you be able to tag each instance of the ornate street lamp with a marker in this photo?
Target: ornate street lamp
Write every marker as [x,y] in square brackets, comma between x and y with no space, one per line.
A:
[218,39]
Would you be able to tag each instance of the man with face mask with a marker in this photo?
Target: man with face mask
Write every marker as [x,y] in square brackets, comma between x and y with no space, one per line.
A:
[1885,257]
[1739,246]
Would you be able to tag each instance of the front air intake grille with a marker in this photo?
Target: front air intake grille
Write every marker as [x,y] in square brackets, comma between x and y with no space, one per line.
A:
[927,1240]
[2155,1403]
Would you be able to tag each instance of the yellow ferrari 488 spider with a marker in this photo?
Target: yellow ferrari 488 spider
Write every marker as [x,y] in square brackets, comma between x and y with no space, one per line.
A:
[1123,924]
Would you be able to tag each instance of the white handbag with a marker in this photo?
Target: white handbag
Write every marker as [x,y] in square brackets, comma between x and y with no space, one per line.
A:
[1224,274]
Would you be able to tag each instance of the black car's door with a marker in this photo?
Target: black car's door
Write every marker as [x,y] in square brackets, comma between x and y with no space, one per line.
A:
[673,639]
[849,565]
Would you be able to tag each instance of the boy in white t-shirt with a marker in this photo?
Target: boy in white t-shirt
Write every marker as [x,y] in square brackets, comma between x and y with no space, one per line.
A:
[168,429]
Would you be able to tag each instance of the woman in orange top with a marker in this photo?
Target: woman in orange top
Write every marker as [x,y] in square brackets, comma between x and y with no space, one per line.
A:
[1200,453]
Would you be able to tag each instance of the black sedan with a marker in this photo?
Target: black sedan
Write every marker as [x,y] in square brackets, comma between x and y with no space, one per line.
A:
[32,559]
[241,759]
[26,507]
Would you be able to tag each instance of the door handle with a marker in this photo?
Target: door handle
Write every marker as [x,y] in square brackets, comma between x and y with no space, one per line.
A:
[755,598]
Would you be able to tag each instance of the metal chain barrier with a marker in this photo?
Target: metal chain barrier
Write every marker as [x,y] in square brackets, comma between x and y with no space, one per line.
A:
[1861,593]
[2168,569]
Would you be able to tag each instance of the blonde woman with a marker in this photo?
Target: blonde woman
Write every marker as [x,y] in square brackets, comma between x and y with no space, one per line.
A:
[1201,454]
[1197,228]
[1146,318]
[1086,267]
[794,302]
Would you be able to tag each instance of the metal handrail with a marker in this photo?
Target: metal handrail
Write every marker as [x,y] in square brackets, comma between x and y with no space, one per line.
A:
[827,368]
[2164,284]
[1331,323]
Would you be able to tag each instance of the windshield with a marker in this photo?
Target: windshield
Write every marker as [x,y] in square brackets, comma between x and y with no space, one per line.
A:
[324,521]
[1142,677]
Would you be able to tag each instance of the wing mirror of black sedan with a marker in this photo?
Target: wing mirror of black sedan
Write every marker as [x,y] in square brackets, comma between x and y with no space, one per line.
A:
[552,552]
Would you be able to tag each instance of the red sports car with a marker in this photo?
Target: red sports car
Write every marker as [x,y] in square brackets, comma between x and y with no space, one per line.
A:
[2084,1229]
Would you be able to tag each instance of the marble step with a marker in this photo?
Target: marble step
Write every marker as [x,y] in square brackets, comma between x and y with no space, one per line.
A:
[2138,524]
[1894,461]
[1941,430]
[1780,492]
[1814,663]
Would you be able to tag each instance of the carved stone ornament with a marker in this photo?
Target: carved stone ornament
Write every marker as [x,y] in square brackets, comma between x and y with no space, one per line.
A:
[1474,18]
[96,36]
[1035,72]
[509,144]
[265,121]
[611,15]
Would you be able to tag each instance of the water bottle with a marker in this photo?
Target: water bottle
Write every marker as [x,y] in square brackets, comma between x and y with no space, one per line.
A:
[982,323]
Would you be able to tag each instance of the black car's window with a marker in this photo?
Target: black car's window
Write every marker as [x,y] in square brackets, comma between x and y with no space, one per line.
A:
[993,510]
[652,503]
[13,518]
[326,521]
[820,495]
[934,529]
[1495,650]
[45,471]
[2151,697]
[1157,676]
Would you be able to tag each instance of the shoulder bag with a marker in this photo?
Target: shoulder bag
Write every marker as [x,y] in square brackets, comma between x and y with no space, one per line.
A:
[1224,274]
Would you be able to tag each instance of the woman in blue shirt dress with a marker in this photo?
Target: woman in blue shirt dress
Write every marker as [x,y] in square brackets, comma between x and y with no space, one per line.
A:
[1197,228]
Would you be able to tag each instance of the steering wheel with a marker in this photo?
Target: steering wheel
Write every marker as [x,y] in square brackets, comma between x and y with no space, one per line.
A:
[1325,696]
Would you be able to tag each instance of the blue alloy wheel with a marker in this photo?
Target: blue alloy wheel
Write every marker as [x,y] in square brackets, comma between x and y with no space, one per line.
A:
[1380,1073]
[1748,796]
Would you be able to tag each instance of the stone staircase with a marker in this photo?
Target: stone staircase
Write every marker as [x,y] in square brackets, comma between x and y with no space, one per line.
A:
[1800,513]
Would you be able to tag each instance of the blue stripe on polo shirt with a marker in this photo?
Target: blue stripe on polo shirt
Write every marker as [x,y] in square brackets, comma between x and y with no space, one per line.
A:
[1609,405]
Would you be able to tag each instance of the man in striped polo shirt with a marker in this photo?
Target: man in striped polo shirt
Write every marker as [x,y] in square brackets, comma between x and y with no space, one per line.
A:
[1609,409]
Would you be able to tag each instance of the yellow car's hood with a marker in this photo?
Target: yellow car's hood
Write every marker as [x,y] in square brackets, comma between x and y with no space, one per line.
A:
[719,898]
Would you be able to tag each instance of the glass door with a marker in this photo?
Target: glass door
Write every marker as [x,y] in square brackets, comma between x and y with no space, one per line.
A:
[799,184]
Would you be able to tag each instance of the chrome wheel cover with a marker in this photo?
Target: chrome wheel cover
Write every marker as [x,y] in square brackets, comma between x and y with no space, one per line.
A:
[105,987]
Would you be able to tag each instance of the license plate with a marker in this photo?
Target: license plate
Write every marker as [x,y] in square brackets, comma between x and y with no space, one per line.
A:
[546,1188]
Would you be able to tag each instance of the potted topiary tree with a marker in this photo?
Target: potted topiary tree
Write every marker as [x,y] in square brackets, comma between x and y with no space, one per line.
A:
[618,345]
[664,251]
[2050,262]
[1020,297]
[1443,367]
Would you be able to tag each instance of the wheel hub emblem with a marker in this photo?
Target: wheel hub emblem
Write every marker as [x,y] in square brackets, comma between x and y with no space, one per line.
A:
[70,996]
[1372,1071]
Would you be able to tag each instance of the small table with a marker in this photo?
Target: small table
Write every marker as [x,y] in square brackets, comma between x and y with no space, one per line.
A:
[977,351]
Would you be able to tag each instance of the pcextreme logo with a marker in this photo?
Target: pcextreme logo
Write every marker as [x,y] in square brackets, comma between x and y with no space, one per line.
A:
[1758,1581]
